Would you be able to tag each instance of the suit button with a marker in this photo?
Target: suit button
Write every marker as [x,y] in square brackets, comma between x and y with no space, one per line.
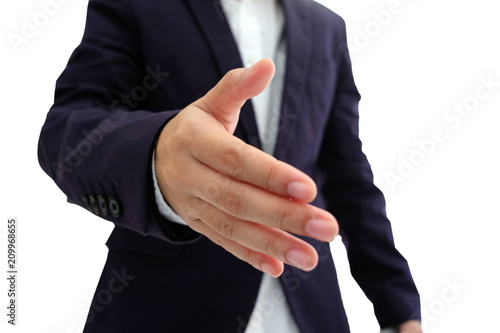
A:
[114,206]
[86,202]
[94,205]
[103,205]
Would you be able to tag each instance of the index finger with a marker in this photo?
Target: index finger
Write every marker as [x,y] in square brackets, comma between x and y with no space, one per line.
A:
[234,158]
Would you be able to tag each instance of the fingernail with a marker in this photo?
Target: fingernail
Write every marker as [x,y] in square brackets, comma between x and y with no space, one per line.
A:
[299,259]
[320,229]
[299,191]
[268,269]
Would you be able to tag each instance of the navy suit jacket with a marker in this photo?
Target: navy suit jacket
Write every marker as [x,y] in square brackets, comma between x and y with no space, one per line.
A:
[139,63]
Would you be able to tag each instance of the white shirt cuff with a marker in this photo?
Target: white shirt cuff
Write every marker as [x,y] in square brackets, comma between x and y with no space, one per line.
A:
[165,210]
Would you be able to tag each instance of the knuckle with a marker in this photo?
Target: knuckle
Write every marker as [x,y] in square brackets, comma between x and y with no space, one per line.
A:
[230,77]
[218,221]
[270,177]
[270,169]
[233,201]
[195,224]
[285,215]
[232,161]
[200,208]
[225,227]
[246,255]
[200,226]
[269,246]
[211,188]
[219,240]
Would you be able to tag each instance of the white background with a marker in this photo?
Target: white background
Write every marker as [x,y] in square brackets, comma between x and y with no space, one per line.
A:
[410,69]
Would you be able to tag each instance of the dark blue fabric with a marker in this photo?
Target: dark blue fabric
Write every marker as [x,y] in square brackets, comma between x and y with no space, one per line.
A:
[139,63]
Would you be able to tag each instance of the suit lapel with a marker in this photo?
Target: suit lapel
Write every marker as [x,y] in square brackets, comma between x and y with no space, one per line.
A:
[215,27]
[297,30]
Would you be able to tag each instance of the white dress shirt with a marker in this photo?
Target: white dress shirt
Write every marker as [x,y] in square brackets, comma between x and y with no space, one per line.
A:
[258,28]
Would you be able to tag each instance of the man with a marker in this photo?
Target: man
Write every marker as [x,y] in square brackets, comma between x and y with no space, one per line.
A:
[145,133]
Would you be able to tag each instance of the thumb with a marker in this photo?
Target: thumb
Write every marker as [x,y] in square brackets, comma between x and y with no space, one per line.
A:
[225,100]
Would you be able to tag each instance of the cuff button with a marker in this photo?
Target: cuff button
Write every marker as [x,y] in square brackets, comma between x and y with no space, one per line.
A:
[94,205]
[86,202]
[103,205]
[114,207]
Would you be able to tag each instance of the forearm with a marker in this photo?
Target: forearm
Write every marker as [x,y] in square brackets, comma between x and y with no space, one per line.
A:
[99,135]
[95,152]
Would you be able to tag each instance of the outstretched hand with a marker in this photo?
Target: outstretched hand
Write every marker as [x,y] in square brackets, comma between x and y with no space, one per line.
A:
[241,198]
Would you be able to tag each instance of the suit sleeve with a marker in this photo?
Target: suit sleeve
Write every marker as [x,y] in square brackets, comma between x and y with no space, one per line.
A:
[379,269]
[97,142]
